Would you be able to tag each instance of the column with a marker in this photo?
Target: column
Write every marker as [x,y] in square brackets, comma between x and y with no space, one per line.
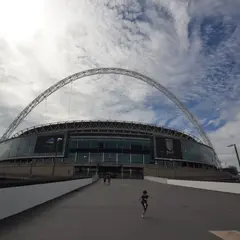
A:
[76,156]
[89,157]
[130,153]
[117,155]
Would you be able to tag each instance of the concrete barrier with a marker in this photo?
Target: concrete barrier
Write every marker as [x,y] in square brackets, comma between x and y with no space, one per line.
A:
[187,173]
[156,179]
[18,199]
[213,186]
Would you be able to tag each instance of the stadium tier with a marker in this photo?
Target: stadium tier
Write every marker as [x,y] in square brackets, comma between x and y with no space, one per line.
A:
[106,143]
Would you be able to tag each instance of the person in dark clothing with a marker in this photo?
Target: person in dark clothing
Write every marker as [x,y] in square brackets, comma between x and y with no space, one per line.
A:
[144,202]
[104,179]
[109,178]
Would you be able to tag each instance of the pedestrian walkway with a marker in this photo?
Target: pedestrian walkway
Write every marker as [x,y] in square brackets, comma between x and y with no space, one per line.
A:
[114,212]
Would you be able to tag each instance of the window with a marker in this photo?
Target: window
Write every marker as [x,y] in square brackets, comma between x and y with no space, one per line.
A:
[96,157]
[94,144]
[82,157]
[101,145]
[110,144]
[83,143]
[123,144]
[146,146]
[71,156]
[137,158]
[110,157]
[73,143]
[147,158]
[123,158]
[136,146]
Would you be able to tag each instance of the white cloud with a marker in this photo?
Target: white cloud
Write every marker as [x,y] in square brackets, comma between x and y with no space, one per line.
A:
[226,135]
[161,39]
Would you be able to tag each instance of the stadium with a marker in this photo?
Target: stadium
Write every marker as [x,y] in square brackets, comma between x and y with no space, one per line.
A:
[125,149]
[122,148]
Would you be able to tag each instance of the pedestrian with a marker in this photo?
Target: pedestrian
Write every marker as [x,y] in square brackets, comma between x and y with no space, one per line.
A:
[104,179]
[144,202]
[109,179]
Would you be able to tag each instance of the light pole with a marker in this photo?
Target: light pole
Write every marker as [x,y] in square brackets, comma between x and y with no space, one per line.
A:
[236,151]
[55,158]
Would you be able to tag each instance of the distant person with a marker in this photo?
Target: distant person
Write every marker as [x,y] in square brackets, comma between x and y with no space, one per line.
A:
[144,202]
[109,179]
[104,179]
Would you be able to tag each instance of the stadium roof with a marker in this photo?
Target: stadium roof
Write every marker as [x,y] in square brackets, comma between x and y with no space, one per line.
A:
[105,126]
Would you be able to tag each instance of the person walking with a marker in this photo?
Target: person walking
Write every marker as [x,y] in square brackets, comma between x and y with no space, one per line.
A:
[104,178]
[144,202]
[109,179]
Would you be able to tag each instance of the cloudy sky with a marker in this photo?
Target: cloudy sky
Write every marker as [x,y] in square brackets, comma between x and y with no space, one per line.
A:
[190,47]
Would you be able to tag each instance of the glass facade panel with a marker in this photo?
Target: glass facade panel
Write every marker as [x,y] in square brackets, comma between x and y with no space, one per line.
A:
[110,158]
[73,143]
[96,144]
[147,158]
[137,158]
[197,152]
[49,144]
[5,149]
[146,146]
[136,146]
[96,157]
[71,156]
[110,144]
[123,144]
[83,144]
[82,157]
[18,147]
[123,158]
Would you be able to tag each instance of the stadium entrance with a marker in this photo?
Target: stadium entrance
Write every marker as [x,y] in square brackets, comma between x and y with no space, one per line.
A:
[117,171]
[121,172]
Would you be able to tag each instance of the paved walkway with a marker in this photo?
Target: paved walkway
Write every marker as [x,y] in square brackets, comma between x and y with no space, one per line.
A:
[113,212]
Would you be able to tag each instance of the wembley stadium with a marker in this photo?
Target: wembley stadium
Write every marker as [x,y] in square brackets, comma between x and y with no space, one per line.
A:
[122,148]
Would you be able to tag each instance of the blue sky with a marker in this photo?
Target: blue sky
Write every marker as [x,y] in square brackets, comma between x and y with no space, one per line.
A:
[190,47]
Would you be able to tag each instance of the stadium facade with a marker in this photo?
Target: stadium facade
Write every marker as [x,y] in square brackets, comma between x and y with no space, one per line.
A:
[108,144]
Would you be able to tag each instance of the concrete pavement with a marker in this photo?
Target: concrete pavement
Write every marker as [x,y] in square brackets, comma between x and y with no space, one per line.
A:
[113,212]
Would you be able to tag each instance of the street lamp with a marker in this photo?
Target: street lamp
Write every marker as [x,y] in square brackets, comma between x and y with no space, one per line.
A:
[55,158]
[236,151]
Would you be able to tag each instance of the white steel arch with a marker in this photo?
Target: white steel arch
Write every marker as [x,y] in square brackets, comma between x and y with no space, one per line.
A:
[97,71]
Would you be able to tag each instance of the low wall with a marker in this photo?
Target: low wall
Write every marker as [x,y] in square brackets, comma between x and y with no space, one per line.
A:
[214,186]
[186,173]
[15,170]
[44,170]
[156,179]
[14,200]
